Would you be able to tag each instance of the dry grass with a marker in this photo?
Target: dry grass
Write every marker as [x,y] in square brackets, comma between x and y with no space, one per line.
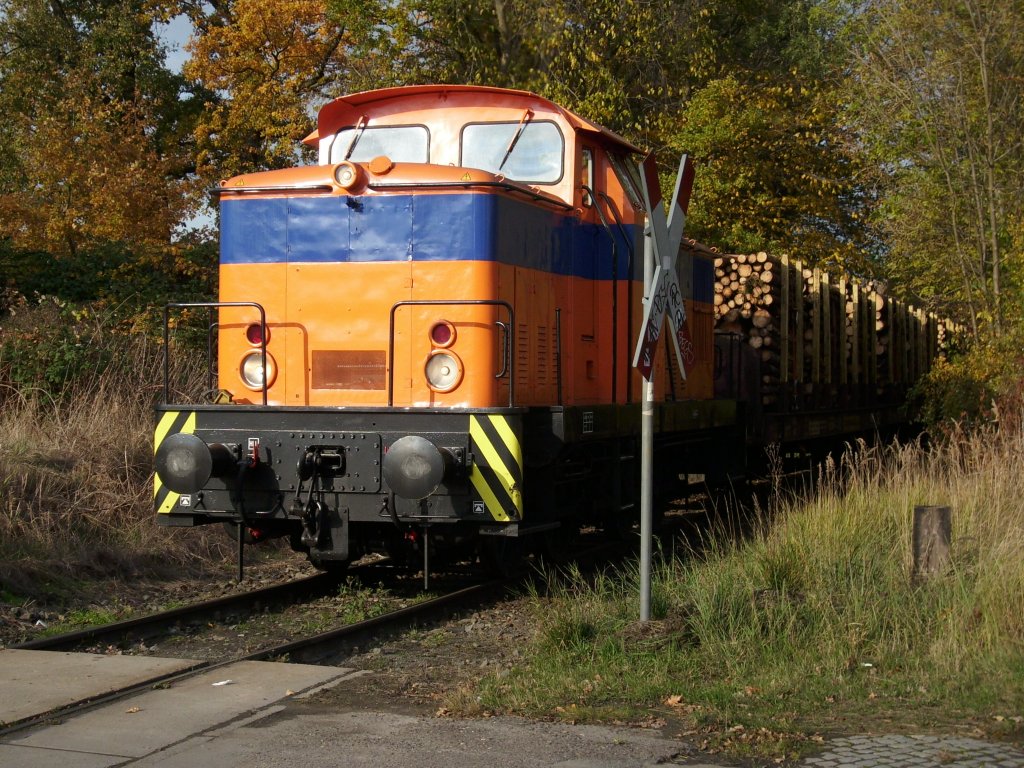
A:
[76,475]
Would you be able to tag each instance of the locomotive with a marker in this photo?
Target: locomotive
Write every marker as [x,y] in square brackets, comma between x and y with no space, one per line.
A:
[427,338]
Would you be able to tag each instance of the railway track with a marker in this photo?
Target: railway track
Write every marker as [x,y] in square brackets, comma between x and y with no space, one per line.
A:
[329,647]
[312,649]
[143,628]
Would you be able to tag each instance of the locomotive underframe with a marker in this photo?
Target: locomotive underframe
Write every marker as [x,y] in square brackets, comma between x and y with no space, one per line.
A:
[316,474]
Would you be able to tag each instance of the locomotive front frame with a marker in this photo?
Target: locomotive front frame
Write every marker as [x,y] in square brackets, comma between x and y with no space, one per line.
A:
[309,472]
[273,468]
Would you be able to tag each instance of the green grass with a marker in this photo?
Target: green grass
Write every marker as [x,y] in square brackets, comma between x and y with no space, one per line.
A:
[84,618]
[359,603]
[814,623]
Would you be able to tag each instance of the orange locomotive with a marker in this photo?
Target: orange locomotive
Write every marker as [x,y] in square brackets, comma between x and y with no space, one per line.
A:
[431,331]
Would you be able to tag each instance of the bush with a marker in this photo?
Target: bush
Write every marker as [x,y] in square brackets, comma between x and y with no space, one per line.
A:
[50,345]
[57,347]
[114,274]
[965,388]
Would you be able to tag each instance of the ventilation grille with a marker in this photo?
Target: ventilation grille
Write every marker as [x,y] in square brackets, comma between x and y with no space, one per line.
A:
[522,355]
[543,357]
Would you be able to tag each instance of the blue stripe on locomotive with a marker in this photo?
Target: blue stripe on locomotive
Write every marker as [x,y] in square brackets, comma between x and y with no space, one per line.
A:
[703,280]
[466,227]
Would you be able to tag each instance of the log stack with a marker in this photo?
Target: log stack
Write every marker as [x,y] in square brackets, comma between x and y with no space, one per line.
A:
[817,335]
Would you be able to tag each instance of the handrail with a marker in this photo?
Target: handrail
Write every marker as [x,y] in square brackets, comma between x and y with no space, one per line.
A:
[211,305]
[266,189]
[539,197]
[509,359]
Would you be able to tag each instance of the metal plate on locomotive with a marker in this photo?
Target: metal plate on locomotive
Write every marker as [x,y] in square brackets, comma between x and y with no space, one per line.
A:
[360,452]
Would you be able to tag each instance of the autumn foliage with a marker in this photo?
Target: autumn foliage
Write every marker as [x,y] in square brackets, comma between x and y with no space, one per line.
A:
[277,59]
[865,136]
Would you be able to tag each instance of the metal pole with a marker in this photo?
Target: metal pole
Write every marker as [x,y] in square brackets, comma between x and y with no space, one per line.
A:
[426,558]
[241,549]
[647,451]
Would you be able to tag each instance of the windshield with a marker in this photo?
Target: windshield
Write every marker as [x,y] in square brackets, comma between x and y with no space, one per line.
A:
[403,144]
[535,156]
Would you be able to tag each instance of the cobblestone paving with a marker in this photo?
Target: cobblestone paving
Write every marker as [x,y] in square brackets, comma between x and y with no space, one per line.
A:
[915,752]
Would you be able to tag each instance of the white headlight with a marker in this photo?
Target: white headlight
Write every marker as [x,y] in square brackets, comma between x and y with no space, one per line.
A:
[443,370]
[346,174]
[252,371]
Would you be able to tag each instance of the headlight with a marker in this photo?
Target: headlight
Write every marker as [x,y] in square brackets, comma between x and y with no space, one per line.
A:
[346,174]
[252,371]
[443,370]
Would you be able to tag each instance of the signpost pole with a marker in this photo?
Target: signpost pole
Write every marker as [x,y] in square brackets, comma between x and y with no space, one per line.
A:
[647,449]
[662,298]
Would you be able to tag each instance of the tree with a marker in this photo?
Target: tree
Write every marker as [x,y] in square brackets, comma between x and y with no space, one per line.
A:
[266,67]
[744,86]
[93,146]
[776,172]
[776,164]
[624,64]
[937,89]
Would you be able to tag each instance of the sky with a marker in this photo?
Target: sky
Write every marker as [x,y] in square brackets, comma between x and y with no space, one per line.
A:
[174,35]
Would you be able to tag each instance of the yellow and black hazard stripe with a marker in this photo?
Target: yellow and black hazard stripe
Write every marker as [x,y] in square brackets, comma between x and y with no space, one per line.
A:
[171,423]
[497,470]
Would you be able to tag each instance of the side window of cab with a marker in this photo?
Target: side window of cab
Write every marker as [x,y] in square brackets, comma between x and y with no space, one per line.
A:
[587,177]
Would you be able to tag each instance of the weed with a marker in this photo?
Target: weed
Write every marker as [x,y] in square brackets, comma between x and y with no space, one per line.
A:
[435,639]
[361,603]
[85,618]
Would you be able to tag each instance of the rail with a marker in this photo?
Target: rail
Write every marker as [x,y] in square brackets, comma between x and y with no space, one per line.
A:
[144,627]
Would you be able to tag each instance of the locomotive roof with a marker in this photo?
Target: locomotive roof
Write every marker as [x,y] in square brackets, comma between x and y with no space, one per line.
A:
[346,110]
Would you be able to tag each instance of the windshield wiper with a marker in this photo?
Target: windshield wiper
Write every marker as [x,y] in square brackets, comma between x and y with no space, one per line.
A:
[523,122]
[356,136]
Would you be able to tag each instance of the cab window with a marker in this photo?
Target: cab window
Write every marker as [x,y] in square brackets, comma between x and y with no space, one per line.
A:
[360,144]
[629,177]
[524,151]
[587,176]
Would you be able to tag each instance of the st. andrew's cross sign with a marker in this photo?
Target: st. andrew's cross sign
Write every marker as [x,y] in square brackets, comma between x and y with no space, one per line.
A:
[664,296]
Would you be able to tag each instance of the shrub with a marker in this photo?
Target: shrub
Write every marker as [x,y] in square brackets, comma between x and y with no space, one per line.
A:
[965,387]
[76,443]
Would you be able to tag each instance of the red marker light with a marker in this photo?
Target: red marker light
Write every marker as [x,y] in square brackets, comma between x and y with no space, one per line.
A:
[254,334]
[442,334]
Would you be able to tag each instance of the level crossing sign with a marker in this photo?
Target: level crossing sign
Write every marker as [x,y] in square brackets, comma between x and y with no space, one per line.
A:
[663,295]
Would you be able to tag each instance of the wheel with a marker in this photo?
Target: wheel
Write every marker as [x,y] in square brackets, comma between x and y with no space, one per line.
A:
[502,556]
